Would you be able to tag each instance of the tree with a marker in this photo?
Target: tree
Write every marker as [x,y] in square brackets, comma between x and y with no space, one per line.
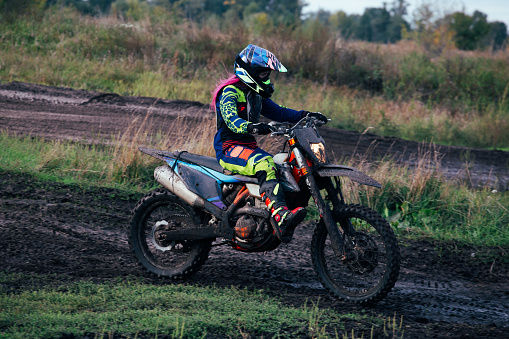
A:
[323,16]
[431,29]
[344,23]
[286,12]
[378,24]
[101,6]
[373,25]
[364,30]
[217,7]
[397,22]
[469,31]
[399,8]
[497,37]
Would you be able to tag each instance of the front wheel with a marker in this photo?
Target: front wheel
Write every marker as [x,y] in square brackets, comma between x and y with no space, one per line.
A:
[155,214]
[372,267]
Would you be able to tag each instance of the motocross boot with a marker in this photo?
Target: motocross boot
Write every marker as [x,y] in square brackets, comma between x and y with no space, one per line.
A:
[285,220]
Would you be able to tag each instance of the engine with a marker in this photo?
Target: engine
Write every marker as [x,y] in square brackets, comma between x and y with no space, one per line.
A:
[245,228]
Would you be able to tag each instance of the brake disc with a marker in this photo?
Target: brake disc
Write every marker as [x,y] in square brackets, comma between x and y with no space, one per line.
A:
[157,235]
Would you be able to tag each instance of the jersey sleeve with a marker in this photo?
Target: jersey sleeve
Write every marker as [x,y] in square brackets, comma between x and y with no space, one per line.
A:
[279,113]
[228,109]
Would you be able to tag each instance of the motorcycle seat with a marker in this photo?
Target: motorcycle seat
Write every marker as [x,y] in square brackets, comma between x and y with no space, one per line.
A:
[201,160]
[211,163]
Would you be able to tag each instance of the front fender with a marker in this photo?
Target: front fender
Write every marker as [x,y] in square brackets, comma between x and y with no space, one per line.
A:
[350,172]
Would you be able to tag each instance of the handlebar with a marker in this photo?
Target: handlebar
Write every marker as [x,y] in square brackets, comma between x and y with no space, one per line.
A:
[285,128]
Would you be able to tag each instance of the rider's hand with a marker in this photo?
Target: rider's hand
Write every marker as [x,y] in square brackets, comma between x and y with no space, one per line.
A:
[317,115]
[259,128]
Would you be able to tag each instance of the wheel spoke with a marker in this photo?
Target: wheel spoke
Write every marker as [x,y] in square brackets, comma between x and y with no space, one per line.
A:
[165,253]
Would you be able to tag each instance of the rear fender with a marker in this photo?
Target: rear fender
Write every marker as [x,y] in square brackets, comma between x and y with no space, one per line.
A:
[158,154]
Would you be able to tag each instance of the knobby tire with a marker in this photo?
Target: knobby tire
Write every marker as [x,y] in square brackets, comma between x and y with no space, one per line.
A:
[169,259]
[374,274]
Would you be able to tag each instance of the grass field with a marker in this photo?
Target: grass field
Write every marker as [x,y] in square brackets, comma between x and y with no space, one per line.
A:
[419,204]
[136,309]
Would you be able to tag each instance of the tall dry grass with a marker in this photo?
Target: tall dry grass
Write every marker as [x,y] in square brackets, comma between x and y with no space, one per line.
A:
[128,163]
[420,201]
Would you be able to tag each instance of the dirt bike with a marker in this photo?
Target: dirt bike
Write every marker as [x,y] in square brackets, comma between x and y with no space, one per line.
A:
[354,250]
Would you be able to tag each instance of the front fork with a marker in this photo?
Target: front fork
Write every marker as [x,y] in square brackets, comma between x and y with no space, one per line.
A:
[335,195]
[336,235]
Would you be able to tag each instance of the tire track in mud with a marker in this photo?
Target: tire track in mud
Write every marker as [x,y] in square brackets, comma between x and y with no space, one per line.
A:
[416,296]
[450,301]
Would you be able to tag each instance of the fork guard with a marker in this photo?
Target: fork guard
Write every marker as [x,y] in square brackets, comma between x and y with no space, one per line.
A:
[350,172]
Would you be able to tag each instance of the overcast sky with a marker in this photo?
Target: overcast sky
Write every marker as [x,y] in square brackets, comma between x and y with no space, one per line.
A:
[496,10]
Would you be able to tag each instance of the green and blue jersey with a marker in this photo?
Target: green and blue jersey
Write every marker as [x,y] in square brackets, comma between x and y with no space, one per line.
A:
[233,118]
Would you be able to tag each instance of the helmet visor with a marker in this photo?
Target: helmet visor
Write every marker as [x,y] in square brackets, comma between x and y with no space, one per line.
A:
[258,57]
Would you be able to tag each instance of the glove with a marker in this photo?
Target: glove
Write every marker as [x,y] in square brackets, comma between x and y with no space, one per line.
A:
[317,115]
[259,128]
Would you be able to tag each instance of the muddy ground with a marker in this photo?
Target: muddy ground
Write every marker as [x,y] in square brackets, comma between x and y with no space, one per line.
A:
[444,290]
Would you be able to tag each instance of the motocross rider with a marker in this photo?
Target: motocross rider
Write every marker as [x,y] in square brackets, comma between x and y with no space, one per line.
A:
[238,102]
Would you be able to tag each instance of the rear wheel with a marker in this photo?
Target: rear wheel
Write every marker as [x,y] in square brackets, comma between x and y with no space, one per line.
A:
[373,263]
[155,214]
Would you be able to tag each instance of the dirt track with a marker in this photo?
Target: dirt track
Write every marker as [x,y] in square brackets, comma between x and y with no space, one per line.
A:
[443,290]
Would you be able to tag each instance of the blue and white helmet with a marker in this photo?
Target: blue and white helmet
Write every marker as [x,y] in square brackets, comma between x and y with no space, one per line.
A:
[252,61]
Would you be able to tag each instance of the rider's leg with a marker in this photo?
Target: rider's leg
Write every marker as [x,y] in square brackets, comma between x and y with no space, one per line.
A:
[241,160]
[247,161]
[273,196]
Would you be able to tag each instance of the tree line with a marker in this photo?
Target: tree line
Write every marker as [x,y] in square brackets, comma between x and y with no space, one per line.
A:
[385,24]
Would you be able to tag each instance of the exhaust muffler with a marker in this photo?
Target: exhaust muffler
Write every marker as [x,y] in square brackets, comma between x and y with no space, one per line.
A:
[172,181]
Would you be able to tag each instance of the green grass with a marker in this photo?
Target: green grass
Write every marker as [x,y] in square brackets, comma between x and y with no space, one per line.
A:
[421,202]
[67,162]
[439,209]
[132,308]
